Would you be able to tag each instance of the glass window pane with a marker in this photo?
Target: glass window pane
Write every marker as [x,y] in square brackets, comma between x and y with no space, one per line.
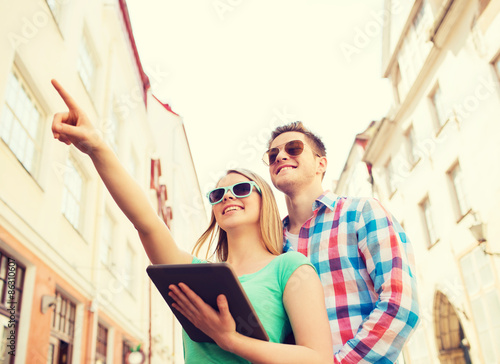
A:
[6,123]
[12,90]
[73,184]
[479,316]
[466,264]
[20,122]
[483,267]
[493,308]
[19,277]
[437,101]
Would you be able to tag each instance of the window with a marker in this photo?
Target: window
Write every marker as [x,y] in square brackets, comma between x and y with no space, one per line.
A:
[102,343]
[106,239]
[11,297]
[425,206]
[414,49]
[411,143]
[62,330]
[20,122]
[419,19]
[438,109]
[460,197]
[87,64]
[479,281]
[72,194]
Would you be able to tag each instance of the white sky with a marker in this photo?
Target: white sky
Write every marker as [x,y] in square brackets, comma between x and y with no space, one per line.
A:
[233,68]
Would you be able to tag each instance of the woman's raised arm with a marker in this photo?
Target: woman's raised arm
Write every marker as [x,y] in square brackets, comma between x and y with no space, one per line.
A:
[74,127]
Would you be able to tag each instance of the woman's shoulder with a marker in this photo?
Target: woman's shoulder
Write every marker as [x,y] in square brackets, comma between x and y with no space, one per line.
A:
[293,257]
[288,263]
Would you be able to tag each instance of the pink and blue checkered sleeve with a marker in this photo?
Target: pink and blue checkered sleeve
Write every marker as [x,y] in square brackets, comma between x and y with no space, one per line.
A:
[390,263]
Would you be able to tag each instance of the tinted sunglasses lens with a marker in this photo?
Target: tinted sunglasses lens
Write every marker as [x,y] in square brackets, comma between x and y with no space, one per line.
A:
[295,147]
[242,189]
[272,154]
[216,195]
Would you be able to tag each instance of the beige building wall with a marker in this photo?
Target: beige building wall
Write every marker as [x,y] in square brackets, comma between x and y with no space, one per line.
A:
[435,165]
[84,253]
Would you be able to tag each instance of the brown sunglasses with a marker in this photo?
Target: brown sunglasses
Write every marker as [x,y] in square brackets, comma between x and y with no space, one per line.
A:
[292,148]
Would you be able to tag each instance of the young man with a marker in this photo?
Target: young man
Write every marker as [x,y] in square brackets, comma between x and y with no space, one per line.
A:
[359,250]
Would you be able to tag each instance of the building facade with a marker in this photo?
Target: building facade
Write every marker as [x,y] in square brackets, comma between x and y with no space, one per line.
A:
[73,285]
[433,160]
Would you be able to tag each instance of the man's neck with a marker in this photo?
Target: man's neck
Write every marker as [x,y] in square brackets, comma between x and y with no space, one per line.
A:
[299,207]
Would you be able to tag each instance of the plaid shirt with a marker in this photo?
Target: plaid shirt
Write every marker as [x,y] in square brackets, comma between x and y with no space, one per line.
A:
[366,266]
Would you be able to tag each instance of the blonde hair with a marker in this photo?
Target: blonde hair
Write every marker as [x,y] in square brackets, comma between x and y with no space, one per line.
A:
[271,227]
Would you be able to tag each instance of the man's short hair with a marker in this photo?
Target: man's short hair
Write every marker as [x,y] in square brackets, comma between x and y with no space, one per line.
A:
[297,126]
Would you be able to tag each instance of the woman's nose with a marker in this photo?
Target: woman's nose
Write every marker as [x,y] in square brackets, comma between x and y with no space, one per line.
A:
[228,195]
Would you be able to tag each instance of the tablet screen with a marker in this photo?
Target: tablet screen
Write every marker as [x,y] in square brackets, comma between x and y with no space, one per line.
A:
[208,280]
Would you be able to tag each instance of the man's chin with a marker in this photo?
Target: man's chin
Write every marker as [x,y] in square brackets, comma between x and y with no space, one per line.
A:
[285,185]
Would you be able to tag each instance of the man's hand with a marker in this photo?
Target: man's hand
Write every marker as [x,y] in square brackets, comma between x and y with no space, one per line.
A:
[73,126]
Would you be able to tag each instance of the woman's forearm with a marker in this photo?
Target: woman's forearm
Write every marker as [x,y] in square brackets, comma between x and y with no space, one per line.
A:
[126,192]
[263,352]
[131,199]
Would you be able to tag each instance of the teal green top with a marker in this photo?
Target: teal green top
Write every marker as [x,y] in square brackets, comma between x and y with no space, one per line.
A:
[264,289]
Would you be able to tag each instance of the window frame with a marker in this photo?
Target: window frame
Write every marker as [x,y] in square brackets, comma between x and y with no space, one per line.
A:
[88,81]
[411,146]
[32,168]
[461,204]
[66,335]
[79,172]
[414,49]
[102,340]
[428,220]
[438,111]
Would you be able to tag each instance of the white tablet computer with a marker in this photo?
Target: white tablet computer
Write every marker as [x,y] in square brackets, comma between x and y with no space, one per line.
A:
[209,280]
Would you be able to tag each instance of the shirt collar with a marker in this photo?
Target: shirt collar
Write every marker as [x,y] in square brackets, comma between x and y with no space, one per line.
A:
[327,199]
